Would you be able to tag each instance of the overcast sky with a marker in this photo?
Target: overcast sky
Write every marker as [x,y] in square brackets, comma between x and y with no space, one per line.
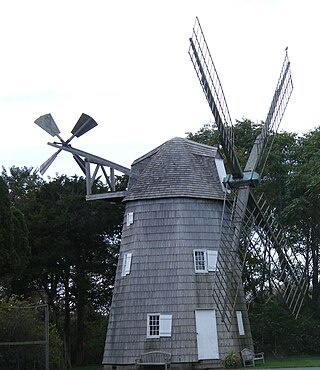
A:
[126,64]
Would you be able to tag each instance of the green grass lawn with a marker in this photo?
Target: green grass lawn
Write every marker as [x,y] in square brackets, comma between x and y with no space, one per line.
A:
[271,363]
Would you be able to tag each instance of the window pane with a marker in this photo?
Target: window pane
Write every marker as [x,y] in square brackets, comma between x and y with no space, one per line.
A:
[153,327]
[199,260]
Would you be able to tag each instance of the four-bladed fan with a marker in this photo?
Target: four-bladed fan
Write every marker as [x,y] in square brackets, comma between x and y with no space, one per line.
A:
[84,159]
[46,122]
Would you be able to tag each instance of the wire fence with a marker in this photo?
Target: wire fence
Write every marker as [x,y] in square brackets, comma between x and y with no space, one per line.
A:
[24,337]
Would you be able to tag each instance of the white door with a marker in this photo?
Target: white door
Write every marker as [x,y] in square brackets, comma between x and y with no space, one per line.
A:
[207,336]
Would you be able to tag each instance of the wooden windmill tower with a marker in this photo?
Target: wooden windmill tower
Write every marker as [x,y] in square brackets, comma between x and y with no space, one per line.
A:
[178,286]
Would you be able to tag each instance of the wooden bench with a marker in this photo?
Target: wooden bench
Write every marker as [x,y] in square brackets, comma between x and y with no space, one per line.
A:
[249,358]
[154,358]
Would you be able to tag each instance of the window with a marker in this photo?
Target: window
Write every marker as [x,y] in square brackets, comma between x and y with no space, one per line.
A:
[159,325]
[200,261]
[205,260]
[153,325]
[126,265]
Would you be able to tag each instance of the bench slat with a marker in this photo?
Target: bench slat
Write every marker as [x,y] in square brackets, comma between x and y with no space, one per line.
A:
[154,358]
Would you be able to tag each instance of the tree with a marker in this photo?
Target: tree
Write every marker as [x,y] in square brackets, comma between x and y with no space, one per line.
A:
[14,245]
[302,212]
[244,133]
[74,247]
[23,183]
[277,169]
[6,237]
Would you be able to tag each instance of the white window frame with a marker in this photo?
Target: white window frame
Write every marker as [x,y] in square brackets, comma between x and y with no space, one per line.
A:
[126,264]
[210,258]
[164,325]
[149,316]
[195,260]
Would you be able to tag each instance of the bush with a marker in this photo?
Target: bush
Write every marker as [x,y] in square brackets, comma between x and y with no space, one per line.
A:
[277,333]
[56,350]
[231,361]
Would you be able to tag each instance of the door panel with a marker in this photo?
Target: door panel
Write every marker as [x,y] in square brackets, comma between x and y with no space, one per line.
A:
[207,336]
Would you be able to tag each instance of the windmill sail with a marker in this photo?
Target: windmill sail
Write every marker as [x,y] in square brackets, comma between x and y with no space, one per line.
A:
[278,268]
[228,276]
[286,272]
[206,71]
[277,108]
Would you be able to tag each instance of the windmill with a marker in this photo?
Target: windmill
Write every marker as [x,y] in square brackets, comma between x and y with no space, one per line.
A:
[175,291]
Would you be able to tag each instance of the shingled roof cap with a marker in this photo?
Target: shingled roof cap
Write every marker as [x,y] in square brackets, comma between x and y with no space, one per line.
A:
[177,168]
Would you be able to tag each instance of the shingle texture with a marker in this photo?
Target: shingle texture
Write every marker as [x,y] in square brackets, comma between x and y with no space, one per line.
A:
[179,168]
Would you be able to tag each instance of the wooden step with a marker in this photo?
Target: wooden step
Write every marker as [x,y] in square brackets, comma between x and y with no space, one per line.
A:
[208,365]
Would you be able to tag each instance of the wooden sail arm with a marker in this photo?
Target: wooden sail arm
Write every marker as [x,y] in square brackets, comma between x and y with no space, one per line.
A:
[86,161]
[276,111]
[208,77]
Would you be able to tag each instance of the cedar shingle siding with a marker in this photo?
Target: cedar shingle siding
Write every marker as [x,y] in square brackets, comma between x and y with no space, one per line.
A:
[177,201]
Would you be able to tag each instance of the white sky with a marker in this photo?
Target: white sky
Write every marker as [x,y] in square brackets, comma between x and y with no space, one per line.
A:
[125,63]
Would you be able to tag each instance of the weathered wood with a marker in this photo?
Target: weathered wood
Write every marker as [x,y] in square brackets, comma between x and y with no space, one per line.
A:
[110,195]
[93,158]
[249,358]
[153,358]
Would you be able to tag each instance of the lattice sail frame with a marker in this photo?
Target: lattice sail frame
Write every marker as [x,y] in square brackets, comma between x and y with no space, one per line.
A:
[207,74]
[286,267]
[278,268]
[280,100]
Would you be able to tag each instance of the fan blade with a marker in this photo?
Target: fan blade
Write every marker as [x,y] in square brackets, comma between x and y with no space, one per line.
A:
[47,123]
[85,123]
[277,108]
[210,82]
[45,165]
[81,163]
